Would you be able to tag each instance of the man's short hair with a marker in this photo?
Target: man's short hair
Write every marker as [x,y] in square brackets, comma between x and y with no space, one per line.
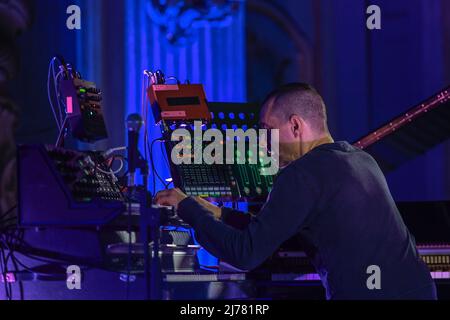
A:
[300,99]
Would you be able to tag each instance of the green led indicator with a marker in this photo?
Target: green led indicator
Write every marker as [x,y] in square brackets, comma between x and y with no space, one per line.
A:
[82,90]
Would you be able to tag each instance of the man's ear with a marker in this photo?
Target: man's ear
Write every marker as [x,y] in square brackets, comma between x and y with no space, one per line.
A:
[296,125]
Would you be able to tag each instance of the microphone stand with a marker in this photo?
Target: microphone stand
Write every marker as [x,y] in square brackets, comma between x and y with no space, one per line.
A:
[150,223]
[150,218]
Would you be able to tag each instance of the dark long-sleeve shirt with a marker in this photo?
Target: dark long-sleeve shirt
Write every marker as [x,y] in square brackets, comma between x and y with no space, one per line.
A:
[335,202]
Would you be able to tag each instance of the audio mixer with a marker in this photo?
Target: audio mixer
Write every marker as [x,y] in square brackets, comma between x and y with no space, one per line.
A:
[226,182]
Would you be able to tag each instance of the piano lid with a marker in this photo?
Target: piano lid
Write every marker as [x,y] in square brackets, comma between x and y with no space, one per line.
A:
[428,221]
[410,134]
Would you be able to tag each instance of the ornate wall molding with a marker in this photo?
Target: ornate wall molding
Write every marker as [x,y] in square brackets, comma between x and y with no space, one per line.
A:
[305,52]
[179,20]
[15,17]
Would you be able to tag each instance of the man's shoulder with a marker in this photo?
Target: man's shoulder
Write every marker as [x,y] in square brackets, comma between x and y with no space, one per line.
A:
[330,152]
[327,158]
[299,169]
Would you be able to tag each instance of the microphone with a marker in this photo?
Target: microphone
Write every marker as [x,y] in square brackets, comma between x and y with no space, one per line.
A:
[134,124]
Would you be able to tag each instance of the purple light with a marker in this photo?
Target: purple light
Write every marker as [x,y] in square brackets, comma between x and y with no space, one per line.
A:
[69,105]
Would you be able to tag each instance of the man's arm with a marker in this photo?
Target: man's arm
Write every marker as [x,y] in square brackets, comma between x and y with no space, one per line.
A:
[237,219]
[215,210]
[234,218]
[290,202]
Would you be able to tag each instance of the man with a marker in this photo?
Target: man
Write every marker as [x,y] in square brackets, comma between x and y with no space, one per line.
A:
[329,196]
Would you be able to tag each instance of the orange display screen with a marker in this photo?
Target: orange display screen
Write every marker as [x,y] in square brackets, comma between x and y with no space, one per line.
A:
[179,102]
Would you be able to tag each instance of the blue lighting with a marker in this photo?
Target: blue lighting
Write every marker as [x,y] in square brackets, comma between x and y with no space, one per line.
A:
[214,56]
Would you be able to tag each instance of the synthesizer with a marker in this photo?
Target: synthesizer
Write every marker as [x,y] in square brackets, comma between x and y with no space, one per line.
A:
[83,101]
[62,187]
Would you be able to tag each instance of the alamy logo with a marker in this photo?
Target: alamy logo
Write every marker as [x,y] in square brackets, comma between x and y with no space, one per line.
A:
[214,152]
[74,20]
[374,20]
[374,280]
[73,277]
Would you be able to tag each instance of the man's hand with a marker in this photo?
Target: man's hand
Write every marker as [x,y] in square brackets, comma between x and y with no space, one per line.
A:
[171,197]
